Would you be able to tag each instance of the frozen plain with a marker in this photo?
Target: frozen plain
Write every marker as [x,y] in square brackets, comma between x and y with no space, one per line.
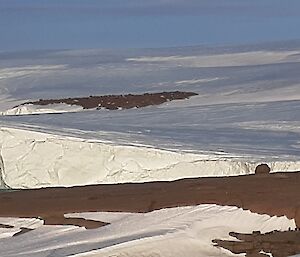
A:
[247,112]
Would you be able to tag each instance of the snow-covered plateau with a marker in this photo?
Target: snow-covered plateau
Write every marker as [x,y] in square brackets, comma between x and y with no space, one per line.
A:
[247,111]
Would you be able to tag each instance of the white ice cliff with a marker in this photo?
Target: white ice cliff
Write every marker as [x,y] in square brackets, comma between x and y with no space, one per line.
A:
[34,159]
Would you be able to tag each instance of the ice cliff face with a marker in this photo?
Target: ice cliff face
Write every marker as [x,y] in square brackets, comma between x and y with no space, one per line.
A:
[2,183]
[33,159]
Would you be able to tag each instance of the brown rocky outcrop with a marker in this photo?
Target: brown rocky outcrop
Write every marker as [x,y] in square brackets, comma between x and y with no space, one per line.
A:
[115,102]
[262,169]
[280,244]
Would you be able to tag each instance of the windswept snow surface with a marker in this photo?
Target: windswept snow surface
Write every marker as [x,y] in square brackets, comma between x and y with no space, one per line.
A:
[184,231]
[247,112]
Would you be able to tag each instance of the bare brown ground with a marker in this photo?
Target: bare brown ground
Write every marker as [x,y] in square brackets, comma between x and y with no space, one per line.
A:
[273,194]
[280,244]
[114,102]
[61,220]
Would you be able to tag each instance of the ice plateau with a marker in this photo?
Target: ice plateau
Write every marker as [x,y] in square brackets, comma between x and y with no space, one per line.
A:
[247,112]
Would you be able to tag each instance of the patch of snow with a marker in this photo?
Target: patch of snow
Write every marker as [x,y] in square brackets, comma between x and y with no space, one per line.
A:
[267,254]
[195,81]
[287,126]
[17,224]
[14,72]
[223,60]
[40,109]
[184,231]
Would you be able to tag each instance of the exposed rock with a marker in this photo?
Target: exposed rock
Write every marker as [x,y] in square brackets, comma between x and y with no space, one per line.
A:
[280,244]
[262,169]
[297,216]
[117,102]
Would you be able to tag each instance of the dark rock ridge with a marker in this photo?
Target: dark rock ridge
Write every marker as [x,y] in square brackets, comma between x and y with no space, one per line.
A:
[114,102]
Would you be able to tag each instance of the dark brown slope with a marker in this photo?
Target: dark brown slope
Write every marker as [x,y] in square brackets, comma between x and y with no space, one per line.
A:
[114,102]
[273,194]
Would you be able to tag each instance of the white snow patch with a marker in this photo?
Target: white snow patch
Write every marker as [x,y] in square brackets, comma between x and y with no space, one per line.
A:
[183,231]
[268,254]
[39,109]
[223,60]
[288,126]
[195,81]
[21,71]
[18,224]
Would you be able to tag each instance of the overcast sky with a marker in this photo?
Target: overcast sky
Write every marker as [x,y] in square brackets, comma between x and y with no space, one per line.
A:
[56,24]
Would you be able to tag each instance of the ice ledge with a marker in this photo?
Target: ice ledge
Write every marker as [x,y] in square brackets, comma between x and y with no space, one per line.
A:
[34,159]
